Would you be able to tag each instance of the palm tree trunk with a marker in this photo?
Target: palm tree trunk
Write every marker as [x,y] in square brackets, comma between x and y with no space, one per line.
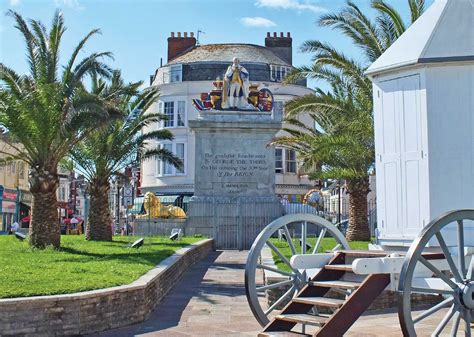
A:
[44,227]
[358,222]
[99,227]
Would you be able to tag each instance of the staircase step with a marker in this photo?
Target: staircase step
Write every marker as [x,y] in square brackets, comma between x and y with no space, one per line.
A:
[321,301]
[303,319]
[364,253]
[343,267]
[336,284]
[282,334]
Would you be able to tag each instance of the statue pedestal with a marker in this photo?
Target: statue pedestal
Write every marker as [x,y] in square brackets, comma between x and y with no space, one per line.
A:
[234,195]
[150,227]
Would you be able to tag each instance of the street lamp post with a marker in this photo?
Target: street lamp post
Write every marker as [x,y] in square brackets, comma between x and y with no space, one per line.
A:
[117,210]
[83,191]
[339,202]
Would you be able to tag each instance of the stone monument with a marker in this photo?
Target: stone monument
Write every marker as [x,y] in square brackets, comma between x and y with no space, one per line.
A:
[234,196]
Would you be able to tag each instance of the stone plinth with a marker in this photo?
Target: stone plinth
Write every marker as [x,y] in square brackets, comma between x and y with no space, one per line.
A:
[234,176]
[147,227]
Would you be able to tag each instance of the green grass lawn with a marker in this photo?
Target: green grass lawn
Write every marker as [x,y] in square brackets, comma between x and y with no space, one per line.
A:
[79,265]
[326,244]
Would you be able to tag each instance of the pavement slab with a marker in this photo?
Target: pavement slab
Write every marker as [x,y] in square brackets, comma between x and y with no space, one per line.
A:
[209,300]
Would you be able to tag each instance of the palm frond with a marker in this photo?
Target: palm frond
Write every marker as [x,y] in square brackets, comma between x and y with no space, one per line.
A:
[390,20]
[417,8]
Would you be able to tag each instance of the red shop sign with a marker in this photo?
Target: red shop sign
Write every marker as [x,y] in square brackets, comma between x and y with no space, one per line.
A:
[9,195]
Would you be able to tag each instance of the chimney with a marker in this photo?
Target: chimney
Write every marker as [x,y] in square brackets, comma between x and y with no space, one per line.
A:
[280,45]
[179,44]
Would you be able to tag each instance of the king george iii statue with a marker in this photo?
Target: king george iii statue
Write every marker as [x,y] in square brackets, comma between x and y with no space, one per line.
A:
[236,87]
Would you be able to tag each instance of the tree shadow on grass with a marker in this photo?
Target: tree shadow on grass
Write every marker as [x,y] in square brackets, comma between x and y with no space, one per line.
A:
[153,257]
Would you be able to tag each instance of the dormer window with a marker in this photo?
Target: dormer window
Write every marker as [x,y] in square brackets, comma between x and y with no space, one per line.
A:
[176,73]
[278,73]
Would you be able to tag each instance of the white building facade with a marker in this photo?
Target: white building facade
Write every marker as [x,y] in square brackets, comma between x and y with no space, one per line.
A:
[190,71]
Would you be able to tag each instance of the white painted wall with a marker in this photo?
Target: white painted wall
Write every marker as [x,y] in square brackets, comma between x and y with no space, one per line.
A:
[451,142]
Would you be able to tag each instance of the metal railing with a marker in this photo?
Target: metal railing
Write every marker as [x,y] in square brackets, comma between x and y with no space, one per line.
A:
[335,217]
[235,222]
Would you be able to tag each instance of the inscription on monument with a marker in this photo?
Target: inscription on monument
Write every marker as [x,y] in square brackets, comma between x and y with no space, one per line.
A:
[234,164]
[234,188]
[235,172]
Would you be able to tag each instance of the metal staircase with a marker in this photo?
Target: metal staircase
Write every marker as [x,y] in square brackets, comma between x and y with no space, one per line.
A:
[303,315]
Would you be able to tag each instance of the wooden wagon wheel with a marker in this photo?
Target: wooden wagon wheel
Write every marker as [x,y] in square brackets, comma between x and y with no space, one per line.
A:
[306,225]
[455,281]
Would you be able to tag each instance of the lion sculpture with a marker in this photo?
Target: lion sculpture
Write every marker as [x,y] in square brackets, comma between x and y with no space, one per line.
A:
[155,210]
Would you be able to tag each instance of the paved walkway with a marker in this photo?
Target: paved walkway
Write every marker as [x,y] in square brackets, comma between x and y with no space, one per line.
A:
[210,300]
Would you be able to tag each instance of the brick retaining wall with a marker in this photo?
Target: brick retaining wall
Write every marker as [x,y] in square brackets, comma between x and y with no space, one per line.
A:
[97,310]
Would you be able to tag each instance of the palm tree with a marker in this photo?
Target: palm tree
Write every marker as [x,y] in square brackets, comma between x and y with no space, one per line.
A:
[344,145]
[43,113]
[106,152]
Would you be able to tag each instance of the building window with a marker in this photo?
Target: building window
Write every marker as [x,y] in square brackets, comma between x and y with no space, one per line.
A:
[180,155]
[62,194]
[159,171]
[176,73]
[278,161]
[169,113]
[166,169]
[290,161]
[273,71]
[278,73]
[175,112]
[180,114]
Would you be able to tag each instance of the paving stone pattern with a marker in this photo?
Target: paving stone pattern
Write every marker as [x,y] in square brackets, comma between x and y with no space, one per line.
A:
[209,300]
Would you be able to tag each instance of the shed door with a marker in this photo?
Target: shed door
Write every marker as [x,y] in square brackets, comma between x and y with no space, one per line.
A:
[387,131]
[398,148]
[411,154]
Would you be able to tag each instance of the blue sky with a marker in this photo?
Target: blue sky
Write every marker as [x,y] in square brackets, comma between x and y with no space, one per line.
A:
[136,30]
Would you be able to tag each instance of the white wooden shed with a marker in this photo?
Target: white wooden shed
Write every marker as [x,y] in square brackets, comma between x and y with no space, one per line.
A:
[424,122]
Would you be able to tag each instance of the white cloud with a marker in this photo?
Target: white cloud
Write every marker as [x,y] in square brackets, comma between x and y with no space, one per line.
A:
[290,4]
[14,3]
[257,21]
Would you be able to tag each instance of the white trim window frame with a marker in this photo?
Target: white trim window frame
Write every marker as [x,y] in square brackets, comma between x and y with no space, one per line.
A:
[176,110]
[179,149]
[169,112]
[176,73]
[273,73]
[286,161]
[278,73]
[291,163]
[279,169]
